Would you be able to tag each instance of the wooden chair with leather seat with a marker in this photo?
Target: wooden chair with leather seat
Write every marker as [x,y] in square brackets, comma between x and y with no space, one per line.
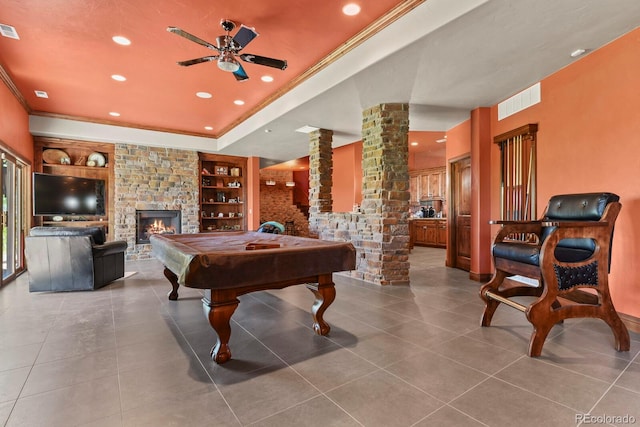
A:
[569,252]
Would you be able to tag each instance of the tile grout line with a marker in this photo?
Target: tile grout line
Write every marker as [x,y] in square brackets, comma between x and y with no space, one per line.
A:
[200,362]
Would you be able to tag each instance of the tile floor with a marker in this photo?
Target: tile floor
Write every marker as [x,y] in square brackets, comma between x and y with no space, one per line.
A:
[396,356]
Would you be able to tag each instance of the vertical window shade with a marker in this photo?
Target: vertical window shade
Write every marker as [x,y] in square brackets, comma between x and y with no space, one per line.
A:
[518,173]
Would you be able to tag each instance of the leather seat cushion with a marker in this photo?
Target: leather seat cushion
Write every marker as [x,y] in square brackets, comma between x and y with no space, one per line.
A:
[530,254]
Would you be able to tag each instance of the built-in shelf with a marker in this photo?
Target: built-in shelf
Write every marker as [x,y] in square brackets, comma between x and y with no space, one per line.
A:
[77,152]
[216,191]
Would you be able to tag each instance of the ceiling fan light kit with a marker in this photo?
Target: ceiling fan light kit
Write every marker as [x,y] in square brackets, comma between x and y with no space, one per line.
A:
[227,62]
[228,48]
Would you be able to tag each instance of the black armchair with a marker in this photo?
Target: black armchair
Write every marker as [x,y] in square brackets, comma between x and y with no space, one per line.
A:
[72,258]
[569,252]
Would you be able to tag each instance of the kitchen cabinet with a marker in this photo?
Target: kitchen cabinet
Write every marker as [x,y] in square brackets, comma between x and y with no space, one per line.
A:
[429,232]
[414,189]
[441,234]
[427,184]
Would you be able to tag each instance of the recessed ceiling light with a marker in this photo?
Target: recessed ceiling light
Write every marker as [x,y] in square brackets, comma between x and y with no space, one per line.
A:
[208,127]
[203,95]
[267,131]
[118,77]
[114,114]
[351,9]
[267,79]
[577,53]
[238,102]
[414,143]
[121,40]
[41,94]
[9,31]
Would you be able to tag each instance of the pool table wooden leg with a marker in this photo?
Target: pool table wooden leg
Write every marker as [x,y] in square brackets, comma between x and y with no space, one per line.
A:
[173,294]
[325,293]
[219,315]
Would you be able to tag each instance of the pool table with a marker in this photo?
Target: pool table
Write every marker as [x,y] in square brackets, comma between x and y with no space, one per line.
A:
[229,264]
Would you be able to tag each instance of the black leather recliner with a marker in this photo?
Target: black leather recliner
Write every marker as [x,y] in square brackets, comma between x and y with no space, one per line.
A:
[72,258]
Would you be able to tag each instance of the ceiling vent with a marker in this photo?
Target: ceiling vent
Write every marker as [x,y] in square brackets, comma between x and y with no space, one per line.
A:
[9,31]
[519,101]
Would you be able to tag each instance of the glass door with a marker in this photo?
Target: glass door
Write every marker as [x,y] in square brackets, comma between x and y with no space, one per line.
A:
[12,183]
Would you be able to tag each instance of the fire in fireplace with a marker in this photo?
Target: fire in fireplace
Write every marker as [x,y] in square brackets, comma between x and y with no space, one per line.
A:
[149,222]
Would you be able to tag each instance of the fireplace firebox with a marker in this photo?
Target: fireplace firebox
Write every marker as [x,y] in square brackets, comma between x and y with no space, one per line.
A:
[149,222]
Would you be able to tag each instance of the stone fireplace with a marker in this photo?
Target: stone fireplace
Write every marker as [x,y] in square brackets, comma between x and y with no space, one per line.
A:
[153,179]
[149,222]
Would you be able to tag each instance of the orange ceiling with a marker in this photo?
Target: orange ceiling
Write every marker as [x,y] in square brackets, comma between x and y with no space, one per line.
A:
[66,49]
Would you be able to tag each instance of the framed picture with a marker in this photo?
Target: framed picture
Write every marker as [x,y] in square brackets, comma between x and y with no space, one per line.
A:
[222,170]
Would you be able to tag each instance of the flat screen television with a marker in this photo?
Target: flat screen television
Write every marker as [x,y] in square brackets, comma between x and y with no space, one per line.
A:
[67,195]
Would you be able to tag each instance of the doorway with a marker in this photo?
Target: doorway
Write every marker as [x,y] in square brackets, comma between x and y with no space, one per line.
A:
[14,196]
[460,215]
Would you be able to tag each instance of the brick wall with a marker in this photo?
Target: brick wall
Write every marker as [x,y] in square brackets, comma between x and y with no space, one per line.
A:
[153,178]
[276,202]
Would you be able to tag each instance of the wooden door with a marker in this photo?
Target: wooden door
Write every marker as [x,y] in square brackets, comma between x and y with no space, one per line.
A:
[460,211]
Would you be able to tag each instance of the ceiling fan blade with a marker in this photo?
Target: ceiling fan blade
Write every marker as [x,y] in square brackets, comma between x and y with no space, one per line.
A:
[182,33]
[263,60]
[198,60]
[240,74]
[243,37]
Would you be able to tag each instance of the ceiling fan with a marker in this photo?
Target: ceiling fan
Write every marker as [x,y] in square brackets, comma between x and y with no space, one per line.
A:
[228,48]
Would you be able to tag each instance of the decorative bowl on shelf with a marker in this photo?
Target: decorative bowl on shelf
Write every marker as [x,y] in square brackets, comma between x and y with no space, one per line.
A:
[55,156]
[97,158]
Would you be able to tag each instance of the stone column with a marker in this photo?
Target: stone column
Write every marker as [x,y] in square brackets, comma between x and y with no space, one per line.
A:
[320,176]
[385,191]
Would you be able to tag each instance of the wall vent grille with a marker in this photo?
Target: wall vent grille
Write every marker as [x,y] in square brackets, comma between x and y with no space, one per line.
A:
[519,101]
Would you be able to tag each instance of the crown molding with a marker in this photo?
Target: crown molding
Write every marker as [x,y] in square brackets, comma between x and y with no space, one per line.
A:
[6,79]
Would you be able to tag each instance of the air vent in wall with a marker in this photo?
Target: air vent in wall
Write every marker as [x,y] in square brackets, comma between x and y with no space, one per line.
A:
[519,101]
[9,31]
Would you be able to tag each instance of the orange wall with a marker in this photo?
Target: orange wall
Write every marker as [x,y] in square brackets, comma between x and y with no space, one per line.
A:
[253,193]
[459,141]
[481,172]
[14,125]
[589,125]
[347,177]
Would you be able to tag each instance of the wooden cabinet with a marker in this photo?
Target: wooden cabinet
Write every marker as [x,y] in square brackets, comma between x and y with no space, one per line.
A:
[414,189]
[441,234]
[77,161]
[222,193]
[429,232]
[427,184]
